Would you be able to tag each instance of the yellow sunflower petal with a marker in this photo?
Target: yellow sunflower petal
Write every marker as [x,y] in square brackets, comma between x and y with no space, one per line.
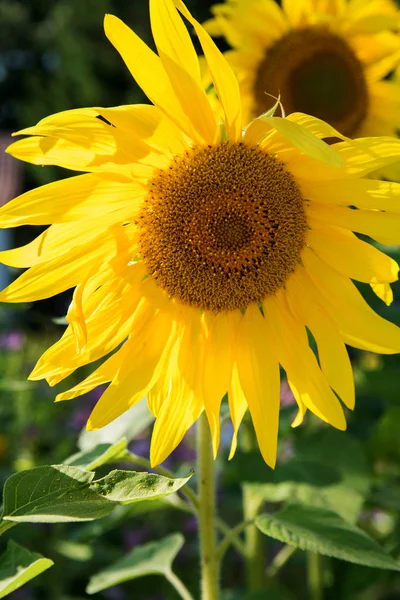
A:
[332,353]
[107,325]
[383,291]
[362,193]
[148,123]
[303,372]
[217,369]
[364,155]
[102,142]
[224,80]
[104,374]
[360,326]
[297,11]
[141,368]
[72,155]
[176,416]
[381,226]
[352,257]
[258,371]
[71,200]
[59,273]
[180,62]
[146,67]
[237,407]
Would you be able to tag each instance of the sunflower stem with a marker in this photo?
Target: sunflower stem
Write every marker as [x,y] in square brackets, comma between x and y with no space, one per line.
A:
[314,576]
[207,512]
[254,539]
[254,542]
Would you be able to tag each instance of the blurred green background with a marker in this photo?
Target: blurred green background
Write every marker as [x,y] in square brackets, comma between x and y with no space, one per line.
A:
[54,56]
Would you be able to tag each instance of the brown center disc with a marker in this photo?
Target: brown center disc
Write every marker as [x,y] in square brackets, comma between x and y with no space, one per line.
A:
[315,72]
[222,227]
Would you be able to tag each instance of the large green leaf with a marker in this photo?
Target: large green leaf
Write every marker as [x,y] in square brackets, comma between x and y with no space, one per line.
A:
[53,494]
[149,559]
[18,565]
[321,530]
[63,493]
[130,486]
[97,456]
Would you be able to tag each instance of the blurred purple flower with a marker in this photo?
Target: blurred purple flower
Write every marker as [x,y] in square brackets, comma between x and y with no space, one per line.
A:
[13,341]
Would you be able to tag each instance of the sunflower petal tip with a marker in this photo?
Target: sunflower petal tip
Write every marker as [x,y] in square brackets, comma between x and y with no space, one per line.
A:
[90,426]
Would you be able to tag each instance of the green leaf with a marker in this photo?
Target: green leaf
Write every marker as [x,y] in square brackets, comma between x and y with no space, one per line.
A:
[97,456]
[60,493]
[149,559]
[130,486]
[321,530]
[18,565]
[53,494]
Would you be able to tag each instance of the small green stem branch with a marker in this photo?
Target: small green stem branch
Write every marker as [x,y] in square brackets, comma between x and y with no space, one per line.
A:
[206,515]
[231,536]
[280,560]
[188,493]
[314,576]
[178,585]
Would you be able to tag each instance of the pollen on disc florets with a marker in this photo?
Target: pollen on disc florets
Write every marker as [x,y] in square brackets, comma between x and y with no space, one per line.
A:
[222,227]
[316,72]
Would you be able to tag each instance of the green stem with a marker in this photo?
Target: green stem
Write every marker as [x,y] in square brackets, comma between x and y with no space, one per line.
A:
[206,516]
[230,537]
[178,585]
[314,576]
[280,560]
[254,539]
[185,491]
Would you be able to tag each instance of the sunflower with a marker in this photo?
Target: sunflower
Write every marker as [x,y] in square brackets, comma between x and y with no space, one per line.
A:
[200,252]
[327,58]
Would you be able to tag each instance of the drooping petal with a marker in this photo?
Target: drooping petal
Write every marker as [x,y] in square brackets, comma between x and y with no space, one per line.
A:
[107,325]
[362,193]
[350,256]
[217,367]
[146,351]
[177,415]
[381,226]
[104,374]
[303,372]
[360,326]
[332,353]
[60,273]
[237,407]
[258,371]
